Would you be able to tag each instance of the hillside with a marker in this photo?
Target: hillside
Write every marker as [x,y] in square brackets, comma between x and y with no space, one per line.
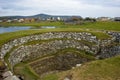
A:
[42,16]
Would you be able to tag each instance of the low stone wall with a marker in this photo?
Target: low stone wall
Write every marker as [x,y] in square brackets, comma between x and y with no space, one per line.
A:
[46,36]
[109,51]
[116,35]
[113,46]
[31,52]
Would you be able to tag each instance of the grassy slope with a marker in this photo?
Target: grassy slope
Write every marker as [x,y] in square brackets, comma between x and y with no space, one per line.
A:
[24,70]
[97,70]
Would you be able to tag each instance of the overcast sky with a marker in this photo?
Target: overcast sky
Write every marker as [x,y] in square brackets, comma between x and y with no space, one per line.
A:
[85,8]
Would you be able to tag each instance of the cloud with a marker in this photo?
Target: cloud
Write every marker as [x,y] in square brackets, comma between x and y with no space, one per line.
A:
[108,3]
[61,7]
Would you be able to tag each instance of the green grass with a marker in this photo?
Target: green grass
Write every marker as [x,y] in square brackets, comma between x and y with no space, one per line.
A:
[107,69]
[50,77]
[35,24]
[24,70]
[93,26]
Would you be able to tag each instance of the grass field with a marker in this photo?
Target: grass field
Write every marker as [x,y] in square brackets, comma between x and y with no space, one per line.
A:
[88,25]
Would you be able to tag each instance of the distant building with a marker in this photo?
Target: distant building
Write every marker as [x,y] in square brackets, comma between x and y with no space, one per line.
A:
[117,19]
[28,20]
[90,19]
[103,19]
[73,22]
[9,21]
[15,20]
[58,18]
[21,20]
[32,20]
[1,20]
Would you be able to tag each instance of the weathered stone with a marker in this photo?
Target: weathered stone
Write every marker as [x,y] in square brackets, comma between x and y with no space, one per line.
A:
[45,36]
[34,51]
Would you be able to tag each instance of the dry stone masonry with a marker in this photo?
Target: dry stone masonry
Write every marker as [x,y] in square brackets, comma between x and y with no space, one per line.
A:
[35,51]
[116,35]
[109,51]
[110,47]
[101,48]
[46,36]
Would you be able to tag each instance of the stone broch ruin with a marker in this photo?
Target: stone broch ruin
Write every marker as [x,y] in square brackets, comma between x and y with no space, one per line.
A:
[52,43]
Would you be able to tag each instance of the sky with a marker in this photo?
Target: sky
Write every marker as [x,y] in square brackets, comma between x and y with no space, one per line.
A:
[84,8]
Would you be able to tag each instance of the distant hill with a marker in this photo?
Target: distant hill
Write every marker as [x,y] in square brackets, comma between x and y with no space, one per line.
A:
[42,16]
[12,17]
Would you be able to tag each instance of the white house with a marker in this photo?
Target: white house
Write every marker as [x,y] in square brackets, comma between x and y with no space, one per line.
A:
[9,21]
[1,21]
[21,20]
